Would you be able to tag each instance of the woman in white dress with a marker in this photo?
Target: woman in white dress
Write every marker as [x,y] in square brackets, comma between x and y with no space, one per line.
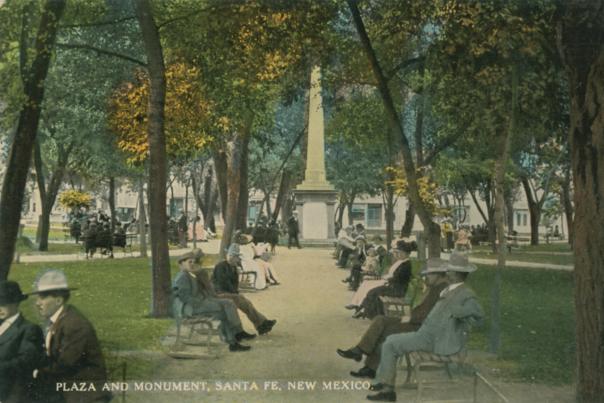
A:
[251,260]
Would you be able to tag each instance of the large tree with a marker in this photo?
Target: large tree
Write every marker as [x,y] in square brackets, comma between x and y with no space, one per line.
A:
[15,177]
[581,45]
[158,220]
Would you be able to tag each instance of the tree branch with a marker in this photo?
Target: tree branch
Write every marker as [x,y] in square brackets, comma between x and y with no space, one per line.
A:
[100,23]
[403,65]
[101,52]
[447,141]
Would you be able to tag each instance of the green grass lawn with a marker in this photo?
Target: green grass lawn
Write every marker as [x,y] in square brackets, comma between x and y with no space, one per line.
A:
[537,323]
[559,253]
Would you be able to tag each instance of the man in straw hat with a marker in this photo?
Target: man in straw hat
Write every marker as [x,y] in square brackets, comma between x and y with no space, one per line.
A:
[21,347]
[435,276]
[443,332]
[186,288]
[226,283]
[73,351]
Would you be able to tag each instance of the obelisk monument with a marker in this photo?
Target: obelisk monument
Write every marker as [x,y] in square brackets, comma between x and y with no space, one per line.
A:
[315,196]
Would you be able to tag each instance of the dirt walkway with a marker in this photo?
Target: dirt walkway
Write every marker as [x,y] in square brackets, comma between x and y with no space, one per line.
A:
[297,361]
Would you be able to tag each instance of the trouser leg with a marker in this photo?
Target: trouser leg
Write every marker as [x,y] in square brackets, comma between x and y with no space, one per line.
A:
[225,311]
[394,347]
[389,325]
[246,306]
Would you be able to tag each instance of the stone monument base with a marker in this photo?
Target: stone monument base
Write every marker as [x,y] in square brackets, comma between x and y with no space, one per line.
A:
[315,215]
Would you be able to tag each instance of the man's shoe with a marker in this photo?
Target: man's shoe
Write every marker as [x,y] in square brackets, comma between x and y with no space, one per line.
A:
[238,347]
[243,335]
[350,354]
[351,306]
[359,314]
[346,280]
[266,326]
[364,372]
[376,387]
[383,397]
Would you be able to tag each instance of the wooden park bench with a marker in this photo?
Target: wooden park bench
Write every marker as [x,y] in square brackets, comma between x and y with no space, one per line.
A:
[193,330]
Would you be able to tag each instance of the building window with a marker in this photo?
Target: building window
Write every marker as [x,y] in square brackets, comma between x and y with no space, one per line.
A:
[358,213]
[521,219]
[374,215]
[33,207]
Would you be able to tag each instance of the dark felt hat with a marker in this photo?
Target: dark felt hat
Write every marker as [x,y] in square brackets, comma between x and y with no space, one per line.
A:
[10,293]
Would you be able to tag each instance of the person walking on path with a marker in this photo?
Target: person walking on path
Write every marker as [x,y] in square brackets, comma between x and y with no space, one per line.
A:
[444,331]
[182,227]
[293,231]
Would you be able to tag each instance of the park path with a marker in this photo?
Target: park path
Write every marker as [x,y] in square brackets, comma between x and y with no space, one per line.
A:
[312,323]
[212,246]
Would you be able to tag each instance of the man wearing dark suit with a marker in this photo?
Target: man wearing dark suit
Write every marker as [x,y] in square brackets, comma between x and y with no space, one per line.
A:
[198,301]
[72,347]
[21,347]
[226,283]
[383,326]
[444,331]
[293,230]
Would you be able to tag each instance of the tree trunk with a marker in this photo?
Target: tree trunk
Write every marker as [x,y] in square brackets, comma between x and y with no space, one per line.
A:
[409,220]
[112,203]
[243,180]
[19,157]
[565,199]
[220,163]
[142,221]
[158,220]
[509,211]
[397,139]
[389,213]
[580,34]
[534,210]
[281,193]
[499,202]
[48,196]
[233,172]
[349,204]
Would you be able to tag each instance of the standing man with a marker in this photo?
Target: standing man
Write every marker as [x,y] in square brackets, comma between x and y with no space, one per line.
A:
[72,348]
[21,347]
[226,283]
[293,230]
[198,302]
[443,332]
[183,228]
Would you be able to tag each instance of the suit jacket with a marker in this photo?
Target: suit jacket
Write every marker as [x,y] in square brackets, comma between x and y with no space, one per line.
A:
[398,283]
[293,226]
[225,278]
[421,311]
[75,356]
[448,322]
[21,351]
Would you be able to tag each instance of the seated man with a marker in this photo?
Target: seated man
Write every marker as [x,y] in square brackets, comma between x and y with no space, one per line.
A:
[347,244]
[119,235]
[443,332]
[226,283]
[74,354]
[21,347]
[383,326]
[186,289]
[359,256]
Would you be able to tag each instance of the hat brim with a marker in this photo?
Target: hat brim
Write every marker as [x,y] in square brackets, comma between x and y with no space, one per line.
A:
[19,299]
[52,289]
[469,268]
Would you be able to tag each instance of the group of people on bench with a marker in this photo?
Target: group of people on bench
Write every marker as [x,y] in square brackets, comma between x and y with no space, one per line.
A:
[218,296]
[439,324]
